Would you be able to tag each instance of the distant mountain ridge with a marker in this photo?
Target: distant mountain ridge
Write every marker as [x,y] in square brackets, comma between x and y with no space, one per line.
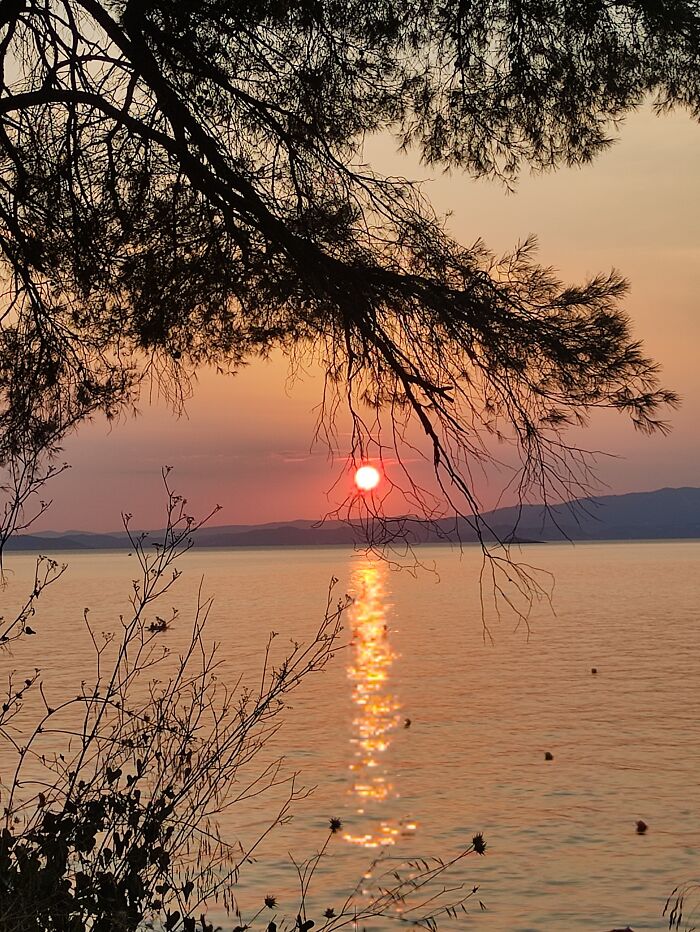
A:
[659,515]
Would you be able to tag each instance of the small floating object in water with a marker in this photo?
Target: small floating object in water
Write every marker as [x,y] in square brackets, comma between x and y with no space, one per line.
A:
[641,826]
[594,670]
[548,755]
[407,723]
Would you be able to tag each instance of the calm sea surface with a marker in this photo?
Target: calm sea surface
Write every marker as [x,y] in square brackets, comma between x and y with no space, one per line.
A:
[563,853]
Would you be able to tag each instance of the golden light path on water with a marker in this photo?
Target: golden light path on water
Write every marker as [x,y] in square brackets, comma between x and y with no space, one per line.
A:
[377,712]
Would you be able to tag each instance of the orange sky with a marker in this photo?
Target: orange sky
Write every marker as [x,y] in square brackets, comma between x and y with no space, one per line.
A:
[246,441]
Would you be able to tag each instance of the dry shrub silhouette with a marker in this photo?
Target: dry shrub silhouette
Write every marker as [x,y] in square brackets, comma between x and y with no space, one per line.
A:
[112,797]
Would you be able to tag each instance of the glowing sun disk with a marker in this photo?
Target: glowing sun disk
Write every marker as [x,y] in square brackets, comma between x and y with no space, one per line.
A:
[367,478]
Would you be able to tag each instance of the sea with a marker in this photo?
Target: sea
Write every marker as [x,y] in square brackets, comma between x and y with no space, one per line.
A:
[443,715]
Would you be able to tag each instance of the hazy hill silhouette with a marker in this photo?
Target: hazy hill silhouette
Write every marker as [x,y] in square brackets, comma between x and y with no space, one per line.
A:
[663,514]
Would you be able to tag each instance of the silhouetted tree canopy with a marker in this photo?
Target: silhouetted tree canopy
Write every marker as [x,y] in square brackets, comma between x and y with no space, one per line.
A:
[182,182]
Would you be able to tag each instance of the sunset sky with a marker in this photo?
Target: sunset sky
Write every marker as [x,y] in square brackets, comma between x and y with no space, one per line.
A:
[246,442]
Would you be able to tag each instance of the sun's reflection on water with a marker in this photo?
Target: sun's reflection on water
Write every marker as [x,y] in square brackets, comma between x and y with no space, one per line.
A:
[377,710]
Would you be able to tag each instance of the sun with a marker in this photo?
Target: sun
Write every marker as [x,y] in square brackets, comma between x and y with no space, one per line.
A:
[367,478]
